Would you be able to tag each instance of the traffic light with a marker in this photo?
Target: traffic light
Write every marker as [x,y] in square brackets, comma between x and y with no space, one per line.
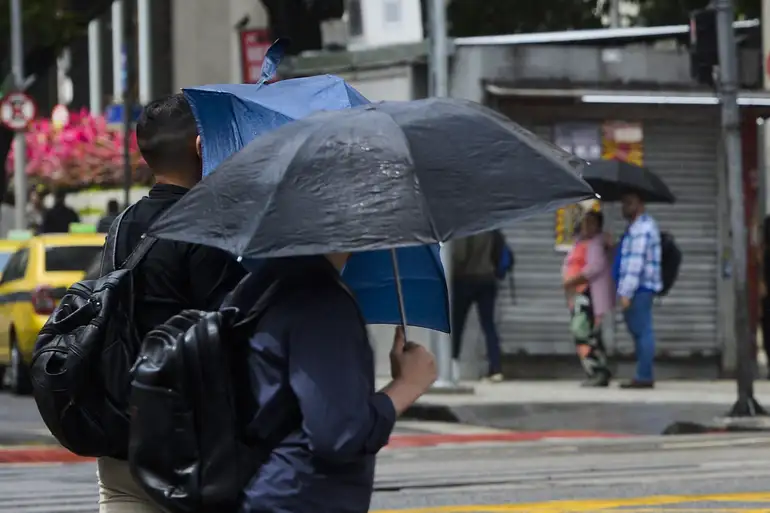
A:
[704,55]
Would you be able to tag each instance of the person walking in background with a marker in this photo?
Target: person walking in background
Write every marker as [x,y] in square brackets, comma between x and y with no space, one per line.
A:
[637,272]
[113,209]
[587,279]
[764,286]
[35,211]
[474,281]
[59,217]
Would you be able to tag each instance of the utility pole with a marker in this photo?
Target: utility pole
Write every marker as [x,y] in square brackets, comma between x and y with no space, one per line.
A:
[20,143]
[127,77]
[439,79]
[145,51]
[95,66]
[118,30]
[614,13]
[746,404]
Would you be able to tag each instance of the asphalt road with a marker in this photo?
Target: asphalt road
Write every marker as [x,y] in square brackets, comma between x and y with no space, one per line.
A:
[725,473]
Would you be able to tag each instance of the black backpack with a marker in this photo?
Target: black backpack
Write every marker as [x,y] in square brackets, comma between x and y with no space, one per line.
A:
[83,355]
[670,261]
[187,449]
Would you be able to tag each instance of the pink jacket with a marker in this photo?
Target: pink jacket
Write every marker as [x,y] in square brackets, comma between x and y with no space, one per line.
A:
[598,271]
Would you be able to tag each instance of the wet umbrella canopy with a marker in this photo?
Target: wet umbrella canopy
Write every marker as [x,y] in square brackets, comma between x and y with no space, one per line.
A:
[613,178]
[375,177]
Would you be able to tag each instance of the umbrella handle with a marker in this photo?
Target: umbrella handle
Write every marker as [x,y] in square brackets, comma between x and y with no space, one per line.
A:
[399,290]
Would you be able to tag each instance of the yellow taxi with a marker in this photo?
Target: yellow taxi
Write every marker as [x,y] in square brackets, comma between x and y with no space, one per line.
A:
[35,278]
[7,248]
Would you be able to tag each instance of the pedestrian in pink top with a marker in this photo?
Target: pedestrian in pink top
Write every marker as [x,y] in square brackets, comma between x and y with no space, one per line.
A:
[590,294]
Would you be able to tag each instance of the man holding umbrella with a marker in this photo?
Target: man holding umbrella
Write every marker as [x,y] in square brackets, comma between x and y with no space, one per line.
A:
[638,276]
[638,268]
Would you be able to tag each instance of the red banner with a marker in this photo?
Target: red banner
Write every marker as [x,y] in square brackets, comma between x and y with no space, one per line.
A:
[254,45]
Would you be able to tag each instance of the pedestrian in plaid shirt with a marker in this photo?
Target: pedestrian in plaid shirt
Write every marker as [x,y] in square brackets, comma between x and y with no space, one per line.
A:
[638,277]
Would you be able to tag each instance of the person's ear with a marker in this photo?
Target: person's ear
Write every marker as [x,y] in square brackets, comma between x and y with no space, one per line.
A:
[198,145]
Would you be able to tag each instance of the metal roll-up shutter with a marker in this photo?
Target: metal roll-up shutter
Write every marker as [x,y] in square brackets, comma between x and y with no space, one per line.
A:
[537,322]
[685,156]
[684,153]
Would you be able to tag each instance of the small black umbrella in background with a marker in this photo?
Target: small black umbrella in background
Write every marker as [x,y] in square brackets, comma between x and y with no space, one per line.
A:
[611,179]
[375,177]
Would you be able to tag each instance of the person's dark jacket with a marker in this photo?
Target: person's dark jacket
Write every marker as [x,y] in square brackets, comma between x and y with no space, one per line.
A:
[311,371]
[58,218]
[174,275]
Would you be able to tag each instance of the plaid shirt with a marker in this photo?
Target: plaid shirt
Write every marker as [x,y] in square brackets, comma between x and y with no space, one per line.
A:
[640,258]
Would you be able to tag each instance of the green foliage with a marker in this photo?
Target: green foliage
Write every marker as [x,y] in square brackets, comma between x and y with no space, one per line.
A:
[489,17]
[673,12]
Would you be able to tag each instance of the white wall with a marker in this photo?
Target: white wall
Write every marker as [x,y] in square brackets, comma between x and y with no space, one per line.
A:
[206,45]
[385,84]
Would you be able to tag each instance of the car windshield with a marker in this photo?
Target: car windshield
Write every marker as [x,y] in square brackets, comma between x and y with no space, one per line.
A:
[70,258]
[4,257]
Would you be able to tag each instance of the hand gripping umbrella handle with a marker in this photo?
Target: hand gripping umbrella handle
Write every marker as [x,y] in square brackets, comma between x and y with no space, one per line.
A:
[399,290]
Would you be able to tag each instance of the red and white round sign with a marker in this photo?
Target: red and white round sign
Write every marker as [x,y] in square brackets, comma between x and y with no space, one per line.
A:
[17,110]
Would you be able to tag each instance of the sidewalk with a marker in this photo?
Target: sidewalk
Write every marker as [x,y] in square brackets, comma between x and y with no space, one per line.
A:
[541,405]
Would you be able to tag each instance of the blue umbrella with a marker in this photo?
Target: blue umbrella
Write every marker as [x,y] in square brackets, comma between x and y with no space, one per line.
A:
[230,116]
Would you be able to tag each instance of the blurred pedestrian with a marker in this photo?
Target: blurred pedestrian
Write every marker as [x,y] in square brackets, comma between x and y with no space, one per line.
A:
[587,279]
[637,272]
[113,209]
[35,211]
[311,369]
[174,276]
[58,218]
[474,282]
[764,286]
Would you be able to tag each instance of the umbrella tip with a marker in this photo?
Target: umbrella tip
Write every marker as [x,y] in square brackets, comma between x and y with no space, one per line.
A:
[239,259]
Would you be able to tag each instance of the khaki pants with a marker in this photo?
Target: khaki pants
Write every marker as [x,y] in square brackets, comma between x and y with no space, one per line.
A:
[118,492]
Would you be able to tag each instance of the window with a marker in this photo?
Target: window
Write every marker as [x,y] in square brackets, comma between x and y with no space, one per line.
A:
[70,258]
[355,18]
[391,12]
[4,258]
[17,266]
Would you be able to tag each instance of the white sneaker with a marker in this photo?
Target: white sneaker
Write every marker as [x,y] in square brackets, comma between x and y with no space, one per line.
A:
[494,378]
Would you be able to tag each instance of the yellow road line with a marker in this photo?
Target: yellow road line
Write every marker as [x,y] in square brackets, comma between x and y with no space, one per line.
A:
[630,505]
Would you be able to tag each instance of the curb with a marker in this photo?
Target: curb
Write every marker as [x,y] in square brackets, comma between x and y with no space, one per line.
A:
[431,440]
[39,454]
[724,425]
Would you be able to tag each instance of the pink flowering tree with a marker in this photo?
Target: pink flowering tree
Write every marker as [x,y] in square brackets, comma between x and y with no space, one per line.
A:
[84,153]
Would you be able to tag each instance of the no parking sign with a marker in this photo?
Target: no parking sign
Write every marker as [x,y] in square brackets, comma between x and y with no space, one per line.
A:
[17,110]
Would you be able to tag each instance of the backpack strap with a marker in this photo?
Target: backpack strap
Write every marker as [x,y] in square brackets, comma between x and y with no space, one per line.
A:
[109,255]
[139,252]
[110,245]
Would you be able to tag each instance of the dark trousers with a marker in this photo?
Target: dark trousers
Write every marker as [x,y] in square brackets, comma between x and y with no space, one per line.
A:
[483,293]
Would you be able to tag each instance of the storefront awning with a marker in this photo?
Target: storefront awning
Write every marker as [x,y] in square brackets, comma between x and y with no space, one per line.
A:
[637,97]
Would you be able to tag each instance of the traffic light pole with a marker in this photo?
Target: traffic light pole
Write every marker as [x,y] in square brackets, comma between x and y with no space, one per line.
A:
[746,405]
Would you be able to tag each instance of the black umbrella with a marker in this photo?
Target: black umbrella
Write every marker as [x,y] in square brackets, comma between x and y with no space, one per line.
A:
[375,177]
[611,179]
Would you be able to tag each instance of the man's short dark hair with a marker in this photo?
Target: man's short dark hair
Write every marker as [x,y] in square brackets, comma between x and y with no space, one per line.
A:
[59,196]
[598,218]
[166,132]
[113,206]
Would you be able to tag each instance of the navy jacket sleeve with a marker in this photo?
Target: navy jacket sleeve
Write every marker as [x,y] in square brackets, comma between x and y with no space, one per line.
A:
[331,371]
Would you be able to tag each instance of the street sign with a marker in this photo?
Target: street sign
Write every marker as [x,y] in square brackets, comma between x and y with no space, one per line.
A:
[17,110]
[60,116]
[113,114]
